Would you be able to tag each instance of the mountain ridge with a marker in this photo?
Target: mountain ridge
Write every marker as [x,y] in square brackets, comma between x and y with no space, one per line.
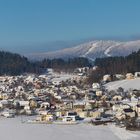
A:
[92,50]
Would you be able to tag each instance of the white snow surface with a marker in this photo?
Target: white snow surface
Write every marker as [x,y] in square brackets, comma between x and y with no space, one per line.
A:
[13,129]
[93,46]
[122,134]
[108,50]
[62,77]
[125,84]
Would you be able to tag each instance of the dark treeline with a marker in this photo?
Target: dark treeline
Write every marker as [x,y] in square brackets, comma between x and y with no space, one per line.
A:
[115,65]
[14,64]
[123,65]
[65,65]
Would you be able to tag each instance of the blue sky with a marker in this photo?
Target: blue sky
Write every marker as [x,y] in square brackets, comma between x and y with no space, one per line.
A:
[27,25]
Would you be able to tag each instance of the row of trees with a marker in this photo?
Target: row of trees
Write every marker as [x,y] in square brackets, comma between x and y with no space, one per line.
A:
[123,65]
[115,65]
[65,65]
[14,64]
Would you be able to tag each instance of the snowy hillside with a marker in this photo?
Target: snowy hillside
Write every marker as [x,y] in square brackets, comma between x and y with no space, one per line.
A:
[93,50]
[125,84]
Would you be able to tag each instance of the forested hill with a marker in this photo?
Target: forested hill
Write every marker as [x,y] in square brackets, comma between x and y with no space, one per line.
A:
[113,65]
[14,64]
[67,65]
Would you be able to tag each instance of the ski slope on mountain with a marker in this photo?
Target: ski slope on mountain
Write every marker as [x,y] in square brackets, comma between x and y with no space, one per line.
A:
[92,50]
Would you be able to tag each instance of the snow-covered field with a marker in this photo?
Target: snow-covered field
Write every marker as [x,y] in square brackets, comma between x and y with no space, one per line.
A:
[125,84]
[62,77]
[13,129]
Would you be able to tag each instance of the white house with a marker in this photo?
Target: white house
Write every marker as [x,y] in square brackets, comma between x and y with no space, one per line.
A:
[96,86]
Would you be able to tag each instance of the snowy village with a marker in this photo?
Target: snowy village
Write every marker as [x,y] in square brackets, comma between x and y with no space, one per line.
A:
[69,70]
[60,98]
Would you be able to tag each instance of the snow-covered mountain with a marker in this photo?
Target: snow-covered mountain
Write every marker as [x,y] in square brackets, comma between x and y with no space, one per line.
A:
[92,50]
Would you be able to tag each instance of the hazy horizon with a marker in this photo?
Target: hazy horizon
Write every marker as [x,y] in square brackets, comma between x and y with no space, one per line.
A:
[38,26]
[40,47]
